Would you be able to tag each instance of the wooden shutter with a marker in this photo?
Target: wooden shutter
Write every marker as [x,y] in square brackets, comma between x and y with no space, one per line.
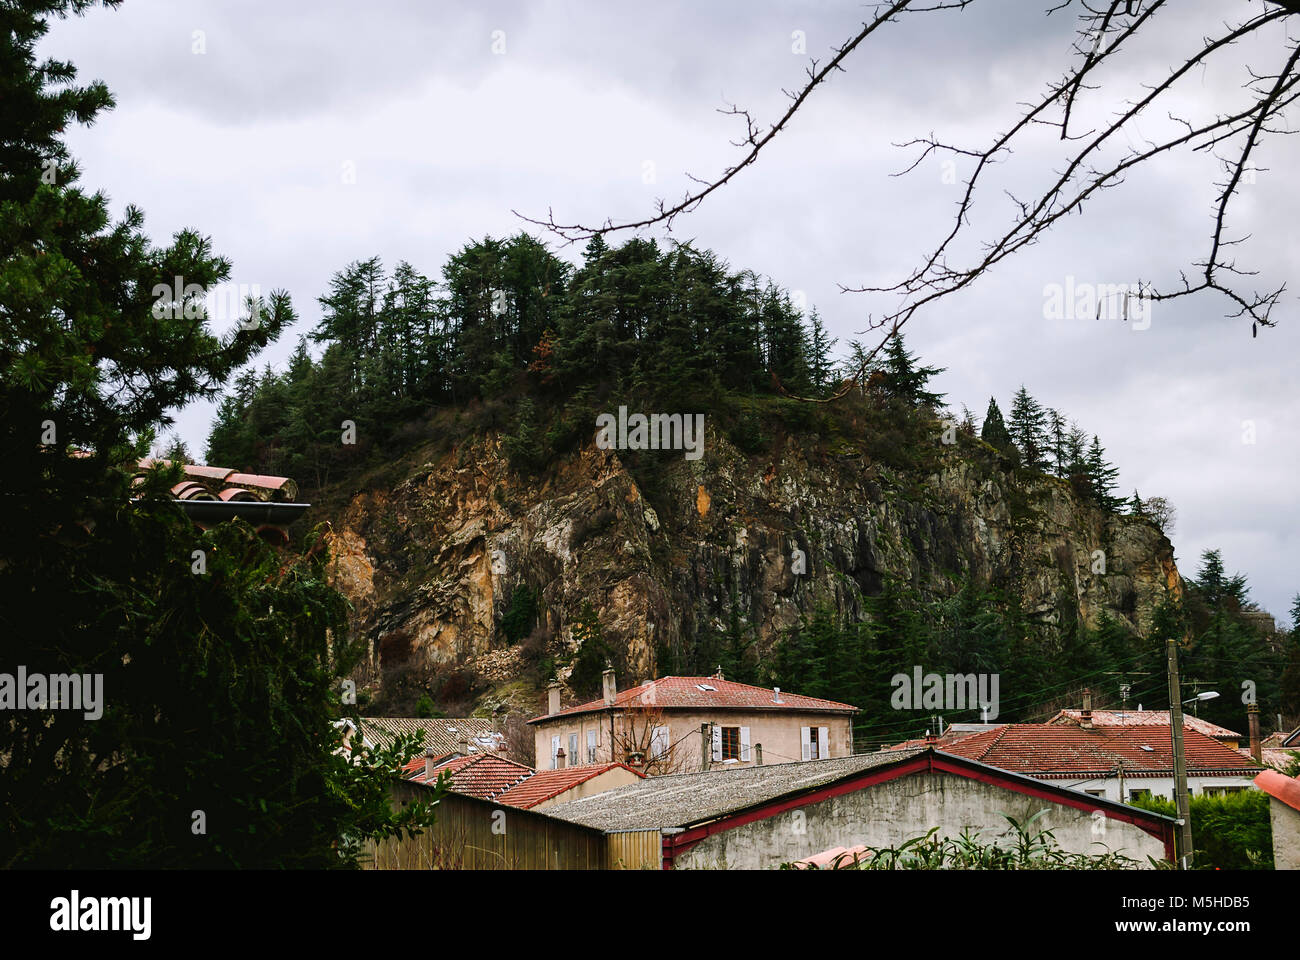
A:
[805,738]
[555,749]
[823,743]
[717,743]
[744,744]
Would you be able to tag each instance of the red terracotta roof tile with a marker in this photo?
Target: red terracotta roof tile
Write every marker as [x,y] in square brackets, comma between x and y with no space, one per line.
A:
[482,775]
[1066,750]
[687,692]
[547,784]
[1146,718]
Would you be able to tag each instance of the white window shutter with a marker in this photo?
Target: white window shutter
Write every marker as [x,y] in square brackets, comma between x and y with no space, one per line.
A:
[717,742]
[744,744]
[805,738]
[591,746]
[555,750]
[823,743]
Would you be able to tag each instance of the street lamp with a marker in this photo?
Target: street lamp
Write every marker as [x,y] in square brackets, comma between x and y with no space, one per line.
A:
[1207,695]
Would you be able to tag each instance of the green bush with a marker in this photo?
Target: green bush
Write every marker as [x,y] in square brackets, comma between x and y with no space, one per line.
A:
[1229,832]
[520,615]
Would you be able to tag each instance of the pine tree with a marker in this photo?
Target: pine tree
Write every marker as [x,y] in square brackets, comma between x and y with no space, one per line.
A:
[994,432]
[219,688]
[1028,429]
[820,344]
[1057,443]
[1290,682]
[903,379]
[1101,475]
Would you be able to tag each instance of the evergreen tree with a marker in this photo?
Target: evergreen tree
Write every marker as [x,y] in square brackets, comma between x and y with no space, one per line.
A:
[1101,475]
[994,432]
[1290,681]
[1057,443]
[219,688]
[820,344]
[903,379]
[1028,429]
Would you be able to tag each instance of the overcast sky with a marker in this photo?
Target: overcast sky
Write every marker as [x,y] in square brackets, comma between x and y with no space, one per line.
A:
[448,116]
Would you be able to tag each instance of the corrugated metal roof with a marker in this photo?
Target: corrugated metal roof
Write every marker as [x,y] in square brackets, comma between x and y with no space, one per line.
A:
[679,800]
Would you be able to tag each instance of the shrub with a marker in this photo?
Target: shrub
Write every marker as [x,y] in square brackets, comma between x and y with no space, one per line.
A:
[1229,832]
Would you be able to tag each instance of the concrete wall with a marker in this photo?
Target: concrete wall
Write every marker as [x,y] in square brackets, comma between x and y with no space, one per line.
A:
[1286,835]
[778,731]
[888,813]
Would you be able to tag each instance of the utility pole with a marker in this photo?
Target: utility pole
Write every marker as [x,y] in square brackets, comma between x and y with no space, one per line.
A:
[1181,800]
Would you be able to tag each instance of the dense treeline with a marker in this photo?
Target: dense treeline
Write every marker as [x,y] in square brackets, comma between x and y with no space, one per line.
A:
[539,346]
[984,632]
[511,321]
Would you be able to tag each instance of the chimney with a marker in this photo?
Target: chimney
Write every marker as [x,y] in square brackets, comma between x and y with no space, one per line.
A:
[776,694]
[706,746]
[718,675]
[559,759]
[428,765]
[930,737]
[1252,718]
[607,680]
[553,697]
[1085,715]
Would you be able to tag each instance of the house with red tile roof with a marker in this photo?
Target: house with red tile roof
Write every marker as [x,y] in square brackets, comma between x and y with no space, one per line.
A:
[680,724]
[1118,763]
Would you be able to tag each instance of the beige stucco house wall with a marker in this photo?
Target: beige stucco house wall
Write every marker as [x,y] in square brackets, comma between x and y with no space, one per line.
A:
[781,734]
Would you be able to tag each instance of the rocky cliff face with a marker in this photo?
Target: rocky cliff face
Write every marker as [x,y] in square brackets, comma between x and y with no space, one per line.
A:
[434,559]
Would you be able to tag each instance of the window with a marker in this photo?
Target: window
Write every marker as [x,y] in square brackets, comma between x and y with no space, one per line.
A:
[1218,791]
[1095,793]
[555,751]
[1138,794]
[575,758]
[815,743]
[730,743]
[591,746]
[658,743]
